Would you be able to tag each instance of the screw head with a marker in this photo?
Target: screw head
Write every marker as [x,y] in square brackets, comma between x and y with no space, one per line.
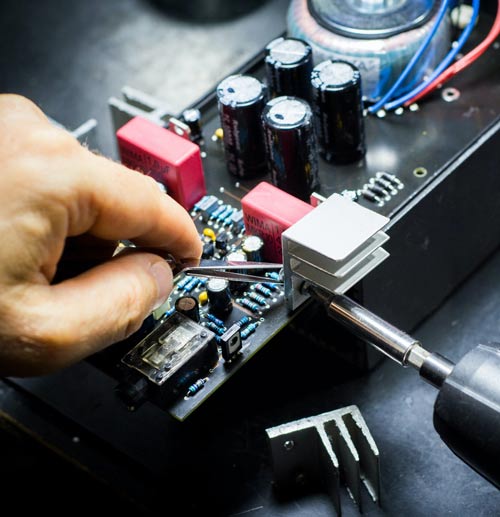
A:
[203,333]
[289,445]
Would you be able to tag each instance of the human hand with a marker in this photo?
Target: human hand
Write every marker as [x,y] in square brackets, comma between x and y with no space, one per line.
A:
[52,188]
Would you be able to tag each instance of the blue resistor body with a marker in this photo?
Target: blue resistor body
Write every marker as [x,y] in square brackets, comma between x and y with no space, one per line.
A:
[264,291]
[184,282]
[196,387]
[249,304]
[228,221]
[169,312]
[273,287]
[201,203]
[249,330]
[229,210]
[219,211]
[203,282]
[191,284]
[273,275]
[215,328]
[257,298]
[213,319]
[243,321]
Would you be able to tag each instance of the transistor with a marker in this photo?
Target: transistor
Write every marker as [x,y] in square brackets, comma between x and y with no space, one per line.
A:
[230,342]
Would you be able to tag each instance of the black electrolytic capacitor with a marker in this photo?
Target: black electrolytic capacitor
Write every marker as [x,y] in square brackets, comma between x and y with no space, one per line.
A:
[188,306]
[219,297]
[289,65]
[241,101]
[253,246]
[192,117]
[338,110]
[291,145]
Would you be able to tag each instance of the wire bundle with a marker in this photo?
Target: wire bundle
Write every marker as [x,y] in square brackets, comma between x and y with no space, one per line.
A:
[444,71]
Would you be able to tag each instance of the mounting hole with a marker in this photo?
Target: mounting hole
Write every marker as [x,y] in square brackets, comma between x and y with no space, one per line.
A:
[420,172]
[450,94]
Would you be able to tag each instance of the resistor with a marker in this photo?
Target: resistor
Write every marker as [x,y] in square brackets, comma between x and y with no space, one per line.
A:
[169,312]
[243,321]
[249,304]
[385,184]
[264,291]
[273,276]
[378,190]
[257,298]
[249,330]
[271,286]
[191,285]
[215,328]
[201,203]
[229,210]
[370,196]
[184,282]
[228,221]
[218,211]
[196,387]
[213,319]
[392,178]
[203,282]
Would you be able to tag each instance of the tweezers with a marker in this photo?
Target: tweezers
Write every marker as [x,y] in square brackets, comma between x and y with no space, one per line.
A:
[235,271]
[252,272]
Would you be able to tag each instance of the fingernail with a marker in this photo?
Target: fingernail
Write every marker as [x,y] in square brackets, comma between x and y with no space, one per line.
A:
[163,275]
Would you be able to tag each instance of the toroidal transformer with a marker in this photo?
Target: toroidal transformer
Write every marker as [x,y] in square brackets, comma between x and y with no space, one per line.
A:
[378,36]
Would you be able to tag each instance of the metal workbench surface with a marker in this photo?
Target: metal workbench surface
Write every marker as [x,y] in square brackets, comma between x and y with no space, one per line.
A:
[70,57]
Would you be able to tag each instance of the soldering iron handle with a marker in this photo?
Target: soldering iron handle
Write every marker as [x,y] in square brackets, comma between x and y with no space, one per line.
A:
[467,411]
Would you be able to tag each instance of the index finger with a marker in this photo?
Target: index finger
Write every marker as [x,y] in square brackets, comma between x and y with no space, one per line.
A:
[130,205]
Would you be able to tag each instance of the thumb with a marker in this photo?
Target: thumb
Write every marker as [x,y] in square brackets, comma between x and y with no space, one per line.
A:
[104,305]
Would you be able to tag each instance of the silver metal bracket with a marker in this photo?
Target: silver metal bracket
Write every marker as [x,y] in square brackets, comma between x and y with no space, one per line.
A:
[333,247]
[136,103]
[324,449]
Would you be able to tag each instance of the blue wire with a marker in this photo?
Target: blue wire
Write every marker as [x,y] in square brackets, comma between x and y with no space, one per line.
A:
[423,47]
[445,63]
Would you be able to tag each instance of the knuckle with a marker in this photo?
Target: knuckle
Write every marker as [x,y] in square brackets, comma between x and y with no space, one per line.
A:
[135,308]
[12,101]
[50,142]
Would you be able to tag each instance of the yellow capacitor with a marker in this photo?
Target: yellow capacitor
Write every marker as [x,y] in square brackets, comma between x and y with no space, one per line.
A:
[203,298]
[208,232]
[219,133]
